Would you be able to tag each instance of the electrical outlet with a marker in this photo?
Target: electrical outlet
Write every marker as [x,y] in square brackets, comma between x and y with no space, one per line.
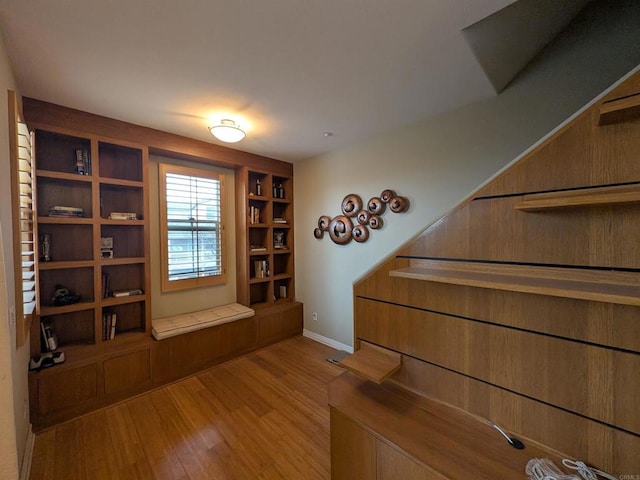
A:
[314,315]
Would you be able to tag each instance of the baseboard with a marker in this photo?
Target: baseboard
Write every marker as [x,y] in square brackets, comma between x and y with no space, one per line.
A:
[25,468]
[327,341]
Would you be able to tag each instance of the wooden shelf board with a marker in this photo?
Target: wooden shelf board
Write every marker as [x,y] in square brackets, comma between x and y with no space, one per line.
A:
[121,183]
[65,264]
[108,221]
[122,261]
[620,109]
[73,177]
[372,362]
[600,286]
[253,280]
[66,220]
[111,301]
[589,197]
[46,310]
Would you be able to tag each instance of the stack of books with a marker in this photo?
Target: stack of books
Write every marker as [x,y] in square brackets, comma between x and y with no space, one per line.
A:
[127,293]
[108,325]
[123,216]
[279,220]
[64,211]
[261,268]
[257,248]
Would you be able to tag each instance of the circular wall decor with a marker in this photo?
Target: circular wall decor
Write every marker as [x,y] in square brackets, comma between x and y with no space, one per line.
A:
[387,195]
[340,229]
[398,204]
[351,205]
[375,222]
[376,206]
[323,222]
[363,217]
[360,233]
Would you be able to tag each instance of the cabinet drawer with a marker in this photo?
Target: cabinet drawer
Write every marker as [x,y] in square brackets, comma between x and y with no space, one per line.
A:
[127,372]
[67,388]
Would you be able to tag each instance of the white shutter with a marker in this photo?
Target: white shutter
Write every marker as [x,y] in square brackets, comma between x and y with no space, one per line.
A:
[28,245]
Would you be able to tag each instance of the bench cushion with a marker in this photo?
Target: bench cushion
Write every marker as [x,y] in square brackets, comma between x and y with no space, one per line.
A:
[189,322]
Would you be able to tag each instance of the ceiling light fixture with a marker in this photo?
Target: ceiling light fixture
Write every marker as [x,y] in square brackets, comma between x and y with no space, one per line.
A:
[227,131]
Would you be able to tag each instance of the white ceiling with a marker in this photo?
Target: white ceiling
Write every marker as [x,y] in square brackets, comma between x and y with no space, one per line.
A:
[287,70]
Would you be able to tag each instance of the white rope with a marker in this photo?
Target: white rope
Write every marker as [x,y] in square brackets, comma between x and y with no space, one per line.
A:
[586,472]
[545,469]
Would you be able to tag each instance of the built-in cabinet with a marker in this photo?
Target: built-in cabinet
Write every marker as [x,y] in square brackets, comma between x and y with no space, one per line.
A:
[84,185]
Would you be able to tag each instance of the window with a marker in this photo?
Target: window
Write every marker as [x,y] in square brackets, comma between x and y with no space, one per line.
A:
[23,221]
[191,205]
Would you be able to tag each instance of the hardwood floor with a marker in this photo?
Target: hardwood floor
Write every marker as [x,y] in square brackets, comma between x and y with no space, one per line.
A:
[261,416]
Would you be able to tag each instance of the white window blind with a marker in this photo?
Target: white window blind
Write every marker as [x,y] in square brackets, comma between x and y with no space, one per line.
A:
[194,226]
[27,240]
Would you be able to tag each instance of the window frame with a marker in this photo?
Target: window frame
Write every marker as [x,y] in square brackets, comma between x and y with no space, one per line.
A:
[197,282]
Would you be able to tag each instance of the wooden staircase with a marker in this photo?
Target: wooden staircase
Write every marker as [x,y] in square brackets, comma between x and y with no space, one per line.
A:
[522,306]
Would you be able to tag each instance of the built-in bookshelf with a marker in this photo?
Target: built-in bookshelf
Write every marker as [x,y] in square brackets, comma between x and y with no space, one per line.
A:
[265,238]
[93,229]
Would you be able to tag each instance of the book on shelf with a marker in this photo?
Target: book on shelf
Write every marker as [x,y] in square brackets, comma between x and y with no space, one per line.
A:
[127,293]
[254,215]
[123,216]
[106,280]
[261,268]
[65,211]
[257,248]
[279,220]
[278,240]
[109,320]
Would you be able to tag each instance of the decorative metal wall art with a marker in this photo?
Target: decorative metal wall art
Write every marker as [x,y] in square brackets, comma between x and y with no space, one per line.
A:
[341,228]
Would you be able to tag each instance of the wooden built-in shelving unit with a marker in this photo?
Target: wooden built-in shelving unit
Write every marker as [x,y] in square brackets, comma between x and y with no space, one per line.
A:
[595,285]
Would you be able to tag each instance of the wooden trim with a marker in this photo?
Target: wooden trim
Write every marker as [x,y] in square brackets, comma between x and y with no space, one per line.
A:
[167,286]
[588,197]
[372,362]
[599,286]
[159,142]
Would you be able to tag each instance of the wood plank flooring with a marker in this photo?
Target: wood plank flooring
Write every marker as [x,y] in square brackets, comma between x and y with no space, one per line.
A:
[261,416]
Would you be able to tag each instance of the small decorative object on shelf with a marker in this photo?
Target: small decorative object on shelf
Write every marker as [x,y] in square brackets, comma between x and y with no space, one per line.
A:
[45,247]
[106,247]
[83,162]
[258,188]
[278,240]
[63,296]
[341,228]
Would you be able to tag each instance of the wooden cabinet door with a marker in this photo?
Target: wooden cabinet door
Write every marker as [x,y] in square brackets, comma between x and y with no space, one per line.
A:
[394,465]
[353,450]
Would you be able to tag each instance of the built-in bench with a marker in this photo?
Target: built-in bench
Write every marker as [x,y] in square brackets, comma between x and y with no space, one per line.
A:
[189,322]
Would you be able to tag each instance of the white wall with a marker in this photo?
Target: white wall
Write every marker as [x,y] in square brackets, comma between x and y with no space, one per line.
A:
[440,161]
[14,427]
[173,303]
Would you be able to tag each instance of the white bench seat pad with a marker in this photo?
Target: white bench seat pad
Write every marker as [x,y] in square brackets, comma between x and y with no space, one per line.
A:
[190,322]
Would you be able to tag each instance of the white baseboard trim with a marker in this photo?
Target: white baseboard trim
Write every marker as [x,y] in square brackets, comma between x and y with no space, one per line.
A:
[327,341]
[25,468]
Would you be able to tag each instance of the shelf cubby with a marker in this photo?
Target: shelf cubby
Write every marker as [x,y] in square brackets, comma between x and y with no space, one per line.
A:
[77,280]
[128,239]
[72,328]
[67,242]
[57,151]
[620,109]
[121,198]
[120,162]
[63,192]
[130,316]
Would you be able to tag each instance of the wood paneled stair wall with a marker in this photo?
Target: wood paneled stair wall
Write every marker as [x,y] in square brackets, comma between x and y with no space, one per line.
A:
[522,306]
